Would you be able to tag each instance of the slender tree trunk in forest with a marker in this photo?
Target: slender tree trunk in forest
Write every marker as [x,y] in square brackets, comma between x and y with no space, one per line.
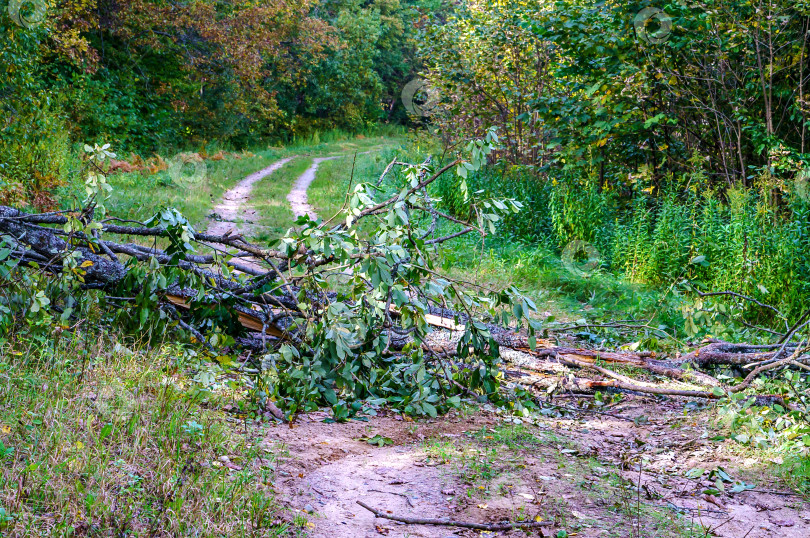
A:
[802,105]
[765,93]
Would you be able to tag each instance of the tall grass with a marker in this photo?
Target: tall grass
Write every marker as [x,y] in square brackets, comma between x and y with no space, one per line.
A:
[745,240]
[98,438]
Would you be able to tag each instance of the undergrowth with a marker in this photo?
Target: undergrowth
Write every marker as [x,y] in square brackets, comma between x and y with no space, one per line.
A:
[99,438]
[682,235]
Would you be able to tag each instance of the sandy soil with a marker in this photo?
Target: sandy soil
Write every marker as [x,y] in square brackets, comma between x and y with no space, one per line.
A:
[298,195]
[233,212]
[329,469]
[583,475]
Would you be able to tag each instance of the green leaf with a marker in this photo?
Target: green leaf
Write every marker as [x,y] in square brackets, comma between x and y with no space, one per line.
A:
[378,440]
[429,409]
[105,432]
[695,472]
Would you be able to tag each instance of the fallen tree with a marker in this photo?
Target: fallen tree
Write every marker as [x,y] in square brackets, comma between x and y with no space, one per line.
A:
[340,312]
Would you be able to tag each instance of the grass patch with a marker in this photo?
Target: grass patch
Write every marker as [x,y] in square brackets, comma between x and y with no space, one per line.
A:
[795,471]
[138,195]
[560,294]
[327,193]
[100,439]
[486,455]
[512,437]
[270,198]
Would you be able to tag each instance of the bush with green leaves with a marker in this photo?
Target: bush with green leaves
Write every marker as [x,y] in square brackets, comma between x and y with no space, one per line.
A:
[346,299]
[786,429]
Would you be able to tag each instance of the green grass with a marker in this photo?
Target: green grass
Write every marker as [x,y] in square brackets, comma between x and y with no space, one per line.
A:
[270,198]
[197,188]
[327,193]
[533,268]
[138,195]
[513,437]
[101,439]
[796,473]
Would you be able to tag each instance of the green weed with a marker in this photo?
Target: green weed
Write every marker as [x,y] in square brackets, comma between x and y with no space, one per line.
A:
[130,448]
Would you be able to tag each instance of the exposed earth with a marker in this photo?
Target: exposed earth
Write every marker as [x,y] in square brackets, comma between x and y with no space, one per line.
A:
[233,212]
[299,202]
[618,473]
[580,472]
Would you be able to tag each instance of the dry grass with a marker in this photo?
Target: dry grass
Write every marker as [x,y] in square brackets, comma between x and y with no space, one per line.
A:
[99,440]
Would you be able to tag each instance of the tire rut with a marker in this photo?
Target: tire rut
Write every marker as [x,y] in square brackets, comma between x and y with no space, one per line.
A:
[232,212]
[298,199]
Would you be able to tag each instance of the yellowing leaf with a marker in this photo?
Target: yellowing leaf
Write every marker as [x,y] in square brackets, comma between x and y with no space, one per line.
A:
[86,263]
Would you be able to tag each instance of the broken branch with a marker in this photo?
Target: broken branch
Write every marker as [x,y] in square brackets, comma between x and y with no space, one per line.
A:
[451,523]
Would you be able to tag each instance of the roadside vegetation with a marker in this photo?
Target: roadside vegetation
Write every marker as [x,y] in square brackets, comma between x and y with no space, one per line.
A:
[608,204]
[98,437]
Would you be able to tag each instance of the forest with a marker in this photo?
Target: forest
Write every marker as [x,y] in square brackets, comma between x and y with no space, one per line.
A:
[356,268]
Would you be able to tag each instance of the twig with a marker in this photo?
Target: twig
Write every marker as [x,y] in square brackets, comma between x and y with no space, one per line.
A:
[451,523]
[395,493]
[685,508]
[745,297]
[583,411]
[771,492]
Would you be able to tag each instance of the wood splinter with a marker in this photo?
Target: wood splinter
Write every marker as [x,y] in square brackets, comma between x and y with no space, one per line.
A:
[450,523]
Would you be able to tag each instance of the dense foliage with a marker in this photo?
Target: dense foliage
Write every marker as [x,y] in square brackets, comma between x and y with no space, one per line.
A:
[583,83]
[155,75]
[659,134]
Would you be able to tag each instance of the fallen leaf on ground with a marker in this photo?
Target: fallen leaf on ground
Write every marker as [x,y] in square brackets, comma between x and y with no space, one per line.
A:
[715,501]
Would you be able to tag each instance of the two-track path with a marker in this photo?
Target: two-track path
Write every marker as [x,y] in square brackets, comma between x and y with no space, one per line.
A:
[299,202]
[233,209]
[234,213]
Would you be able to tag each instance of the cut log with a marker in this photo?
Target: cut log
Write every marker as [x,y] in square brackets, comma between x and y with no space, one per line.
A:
[249,322]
